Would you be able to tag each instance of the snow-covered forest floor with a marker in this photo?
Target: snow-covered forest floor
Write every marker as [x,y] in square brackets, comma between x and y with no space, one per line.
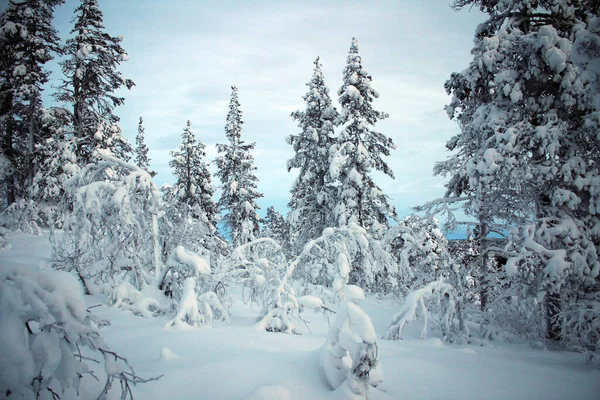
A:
[235,360]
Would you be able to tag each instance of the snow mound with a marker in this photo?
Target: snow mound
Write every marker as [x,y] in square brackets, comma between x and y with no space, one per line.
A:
[276,392]
[167,354]
[125,296]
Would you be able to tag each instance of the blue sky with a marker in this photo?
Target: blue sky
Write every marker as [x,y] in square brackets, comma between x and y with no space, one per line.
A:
[184,55]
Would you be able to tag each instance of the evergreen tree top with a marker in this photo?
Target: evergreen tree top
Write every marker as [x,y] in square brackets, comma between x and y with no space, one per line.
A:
[233,125]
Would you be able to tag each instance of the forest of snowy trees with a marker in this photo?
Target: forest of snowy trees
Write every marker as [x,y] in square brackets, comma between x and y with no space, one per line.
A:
[524,169]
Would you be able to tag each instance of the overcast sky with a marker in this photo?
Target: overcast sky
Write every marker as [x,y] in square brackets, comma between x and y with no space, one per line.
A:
[185,54]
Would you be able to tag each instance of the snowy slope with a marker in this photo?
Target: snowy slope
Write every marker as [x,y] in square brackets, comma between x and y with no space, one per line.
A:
[235,360]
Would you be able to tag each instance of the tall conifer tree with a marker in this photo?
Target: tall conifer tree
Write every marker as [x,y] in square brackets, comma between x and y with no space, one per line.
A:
[27,42]
[359,150]
[238,182]
[194,185]
[91,80]
[313,193]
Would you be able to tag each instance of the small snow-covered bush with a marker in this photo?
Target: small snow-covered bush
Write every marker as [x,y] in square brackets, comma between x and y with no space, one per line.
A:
[511,317]
[346,255]
[44,326]
[349,357]
[21,216]
[580,324]
[125,296]
[282,302]
[190,312]
[4,243]
[257,266]
[420,249]
[438,299]
[181,264]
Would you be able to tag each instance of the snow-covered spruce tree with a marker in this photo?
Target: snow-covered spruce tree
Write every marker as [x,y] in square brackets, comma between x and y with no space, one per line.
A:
[56,163]
[111,232]
[276,227]
[141,150]
[90,82]
[27,41]
[480,184]
[349,358]
[193,189]
[236,172]
[45,328]
[359,150]
[313,193]
[542,122]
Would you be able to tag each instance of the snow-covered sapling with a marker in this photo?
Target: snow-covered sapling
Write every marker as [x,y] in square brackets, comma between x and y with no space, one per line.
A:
[181,264]
[349,357]
[440,299]
[189,311]
[21,216]
[111,232]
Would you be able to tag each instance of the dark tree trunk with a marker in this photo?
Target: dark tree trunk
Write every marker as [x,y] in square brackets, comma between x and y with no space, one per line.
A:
[552,306]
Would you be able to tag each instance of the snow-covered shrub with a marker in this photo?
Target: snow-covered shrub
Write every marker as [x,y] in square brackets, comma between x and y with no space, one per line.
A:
[510,317]
[44,326]
[257,266]
[4,243]
[438,299]
[420,249]
[346,255]
[580,328]
[556,260]
[181,264]
[125,296]
[349,357]
[21,216]
[182,225]
[213,306]
[189,312]
[111,232]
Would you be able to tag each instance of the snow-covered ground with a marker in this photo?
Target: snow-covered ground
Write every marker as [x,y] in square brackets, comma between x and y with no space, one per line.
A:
[235,360]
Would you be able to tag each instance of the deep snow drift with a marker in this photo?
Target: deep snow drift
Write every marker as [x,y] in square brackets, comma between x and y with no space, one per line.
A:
[235,360]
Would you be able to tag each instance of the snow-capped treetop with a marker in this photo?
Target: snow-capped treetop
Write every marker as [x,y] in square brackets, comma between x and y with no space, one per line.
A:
[141,150]
[233,123]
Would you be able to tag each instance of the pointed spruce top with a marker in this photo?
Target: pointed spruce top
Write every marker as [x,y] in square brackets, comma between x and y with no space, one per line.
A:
[233,125]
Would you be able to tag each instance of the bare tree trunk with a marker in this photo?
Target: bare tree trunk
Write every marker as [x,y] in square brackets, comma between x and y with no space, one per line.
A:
[9,153]
[30,144]
[552,306]
[484,282]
